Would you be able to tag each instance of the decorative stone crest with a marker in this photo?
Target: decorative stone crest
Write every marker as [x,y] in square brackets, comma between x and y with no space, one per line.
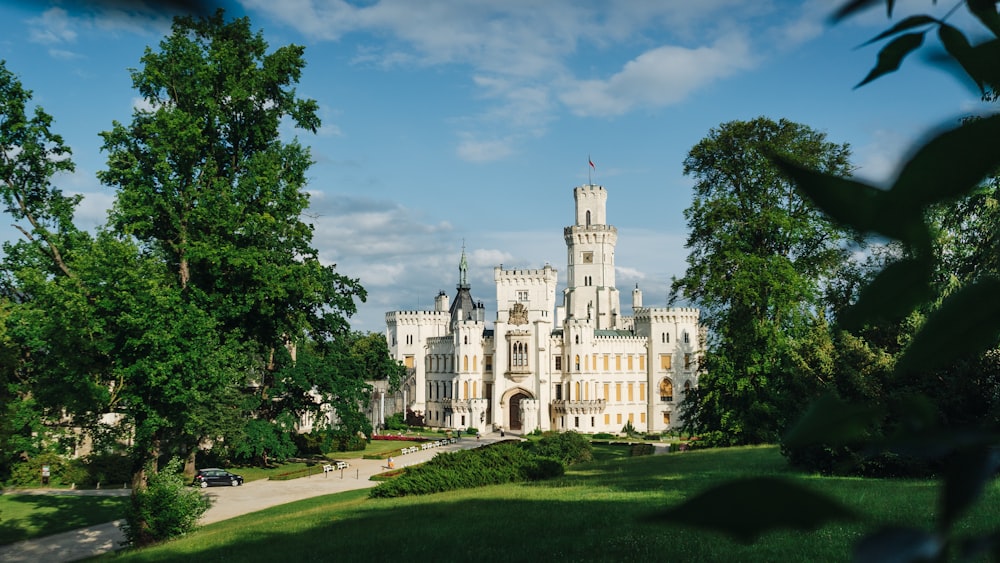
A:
[518,314]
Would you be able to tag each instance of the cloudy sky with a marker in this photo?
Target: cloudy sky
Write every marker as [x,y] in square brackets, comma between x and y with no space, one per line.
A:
[450,122]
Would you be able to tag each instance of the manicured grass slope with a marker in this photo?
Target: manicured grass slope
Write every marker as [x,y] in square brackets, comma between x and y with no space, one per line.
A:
[597,512]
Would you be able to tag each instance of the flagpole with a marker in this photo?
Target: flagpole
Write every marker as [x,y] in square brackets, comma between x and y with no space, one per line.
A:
[590,164]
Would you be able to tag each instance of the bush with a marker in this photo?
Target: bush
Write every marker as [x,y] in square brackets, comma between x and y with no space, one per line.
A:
[165,509]
[106,469]
[567,447]
[396,422]
[503,462]
[29,473]
[603,436]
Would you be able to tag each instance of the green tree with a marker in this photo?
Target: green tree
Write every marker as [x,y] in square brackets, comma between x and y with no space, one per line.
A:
[759,256]
[206,183]
[961,324]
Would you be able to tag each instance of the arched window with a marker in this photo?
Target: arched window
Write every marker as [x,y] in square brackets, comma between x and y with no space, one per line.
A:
[577,391]
[466,339]
[475,363]
[668,337]
[577,338]
[666,390]
[577,363]
[663,337]
[687,339]
[687,387]
[465,363]
[588,217]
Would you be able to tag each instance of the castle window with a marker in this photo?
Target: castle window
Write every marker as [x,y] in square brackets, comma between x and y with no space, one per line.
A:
[558,363]
[687,339]
[577,341]
[666,390]
[665,361]
[687,361]
[577,368]
[522,295]
[559,392]
[466,339]
[588,217]
[663,337]
[687,387]
[667,334]
[576,422]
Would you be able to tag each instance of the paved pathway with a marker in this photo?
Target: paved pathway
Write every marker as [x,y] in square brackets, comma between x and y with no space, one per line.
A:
[228,502]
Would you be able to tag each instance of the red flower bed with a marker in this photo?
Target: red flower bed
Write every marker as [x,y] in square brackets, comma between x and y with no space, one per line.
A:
[399,438]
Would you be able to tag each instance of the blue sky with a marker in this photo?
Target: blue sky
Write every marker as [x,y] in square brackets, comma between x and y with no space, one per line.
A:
[447,121]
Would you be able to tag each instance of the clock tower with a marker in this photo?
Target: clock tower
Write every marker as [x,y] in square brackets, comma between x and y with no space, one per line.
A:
[591,293]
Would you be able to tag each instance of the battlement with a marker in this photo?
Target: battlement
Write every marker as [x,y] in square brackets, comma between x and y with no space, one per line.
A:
[548,274]
[688,315]
[590,191]
[416,317]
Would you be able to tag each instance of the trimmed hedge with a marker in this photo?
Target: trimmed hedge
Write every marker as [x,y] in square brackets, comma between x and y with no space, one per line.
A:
[501,462]
[311,470]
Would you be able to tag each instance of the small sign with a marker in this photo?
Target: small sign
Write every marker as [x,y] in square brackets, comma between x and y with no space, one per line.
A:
[45,471]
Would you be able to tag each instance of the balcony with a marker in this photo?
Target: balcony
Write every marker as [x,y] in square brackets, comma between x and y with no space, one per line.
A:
[563,406]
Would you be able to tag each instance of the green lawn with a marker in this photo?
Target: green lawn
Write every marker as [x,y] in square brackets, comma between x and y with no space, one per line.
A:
[24,517]
[597,511]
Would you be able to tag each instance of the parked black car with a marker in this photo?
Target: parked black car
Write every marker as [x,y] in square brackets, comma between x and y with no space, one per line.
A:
[214,476]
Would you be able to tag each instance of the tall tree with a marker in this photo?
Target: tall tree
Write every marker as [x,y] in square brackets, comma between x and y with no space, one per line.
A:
[206,183]
[759,254]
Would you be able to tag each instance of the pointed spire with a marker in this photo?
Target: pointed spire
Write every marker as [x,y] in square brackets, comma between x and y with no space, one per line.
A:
[463,268]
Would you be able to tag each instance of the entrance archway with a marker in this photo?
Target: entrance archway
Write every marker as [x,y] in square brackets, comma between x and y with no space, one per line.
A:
[515,423]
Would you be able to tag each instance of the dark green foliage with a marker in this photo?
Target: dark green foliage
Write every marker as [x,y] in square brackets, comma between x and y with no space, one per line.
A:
[167,508]
[760,254]
[932,312]
[567,447]
[636,450]
[603,436]
[395,421]
[502,462]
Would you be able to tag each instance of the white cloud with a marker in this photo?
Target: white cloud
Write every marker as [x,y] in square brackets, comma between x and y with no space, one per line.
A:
[52,27]
[662,76]
[479,150]
[529,60]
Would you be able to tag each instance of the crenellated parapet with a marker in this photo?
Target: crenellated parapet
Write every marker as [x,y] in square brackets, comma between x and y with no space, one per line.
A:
[416,317]
[672,315]
[525,277]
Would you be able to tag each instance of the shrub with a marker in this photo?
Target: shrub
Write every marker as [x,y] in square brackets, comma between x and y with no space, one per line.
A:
[396,422]
[567,447]
[165,509]
[636,450]
[544,468]
[29,473]
[503,462]
[106,469]
[603,436]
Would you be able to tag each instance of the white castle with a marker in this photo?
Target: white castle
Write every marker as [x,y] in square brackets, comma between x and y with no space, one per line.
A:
[582,365]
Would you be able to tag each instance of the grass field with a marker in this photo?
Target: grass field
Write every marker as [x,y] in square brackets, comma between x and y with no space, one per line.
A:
[597,512]
[25,517]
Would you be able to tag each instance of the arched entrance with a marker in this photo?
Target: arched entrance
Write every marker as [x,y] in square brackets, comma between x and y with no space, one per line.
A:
[515,423]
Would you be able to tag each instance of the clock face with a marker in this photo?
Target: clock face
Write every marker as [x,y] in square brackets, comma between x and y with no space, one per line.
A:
[588,257]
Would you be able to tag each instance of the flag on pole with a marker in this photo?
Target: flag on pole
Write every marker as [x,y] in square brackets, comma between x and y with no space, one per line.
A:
[591,162]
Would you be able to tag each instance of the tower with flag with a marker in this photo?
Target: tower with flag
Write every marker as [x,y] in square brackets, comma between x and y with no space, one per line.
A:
[586,364]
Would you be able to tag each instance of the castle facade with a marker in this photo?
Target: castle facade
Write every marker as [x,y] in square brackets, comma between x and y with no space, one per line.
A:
[581,365]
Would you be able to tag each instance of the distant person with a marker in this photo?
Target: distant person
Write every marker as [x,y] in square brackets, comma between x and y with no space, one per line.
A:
[477,435]
[459,434]
[501,432]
